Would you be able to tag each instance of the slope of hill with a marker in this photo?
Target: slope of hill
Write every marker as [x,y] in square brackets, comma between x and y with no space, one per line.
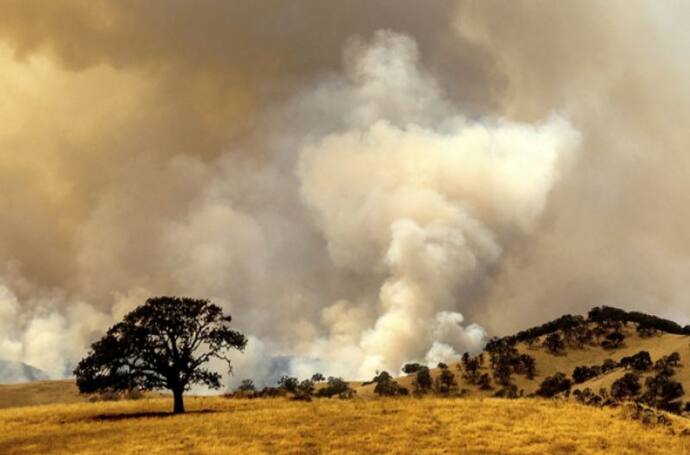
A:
[216,425]
[15,372]
[636,337]
[39,393]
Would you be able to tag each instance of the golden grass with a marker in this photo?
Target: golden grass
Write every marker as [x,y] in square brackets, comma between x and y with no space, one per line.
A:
[39,392]
[216,425]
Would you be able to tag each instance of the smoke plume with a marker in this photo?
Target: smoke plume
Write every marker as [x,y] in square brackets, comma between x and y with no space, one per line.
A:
[360,184]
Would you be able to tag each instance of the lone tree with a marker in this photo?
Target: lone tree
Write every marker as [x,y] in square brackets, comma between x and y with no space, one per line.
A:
[162,344]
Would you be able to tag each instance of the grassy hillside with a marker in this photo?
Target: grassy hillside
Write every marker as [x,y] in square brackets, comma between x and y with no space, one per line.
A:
[547,364]
[406,425]
[40,392]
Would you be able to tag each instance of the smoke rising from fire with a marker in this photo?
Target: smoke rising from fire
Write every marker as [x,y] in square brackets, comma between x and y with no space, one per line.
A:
[359,185]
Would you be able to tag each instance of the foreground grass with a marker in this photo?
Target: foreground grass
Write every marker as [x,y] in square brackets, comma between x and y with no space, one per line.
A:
[217,425]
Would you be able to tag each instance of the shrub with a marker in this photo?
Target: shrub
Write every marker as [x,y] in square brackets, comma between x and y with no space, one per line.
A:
[553,385]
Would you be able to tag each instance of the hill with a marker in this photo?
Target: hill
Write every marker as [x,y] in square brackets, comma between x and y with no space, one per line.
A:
[39,393]
[601,345]
[16,372]
[217,425]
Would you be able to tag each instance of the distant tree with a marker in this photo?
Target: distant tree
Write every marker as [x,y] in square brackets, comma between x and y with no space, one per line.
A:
[303,391]
[318,377]
[423,381]
[626,387]
[641,361]
[584,373]
[387,386]
[471,368]
[608,365]
[162,344]
[442,366]
[525,364]
[336,387]
[247,385]
[288,383]
[674,359]
[553,385]
[645,331]
[509,391]
[484,382]
[464,360]
[554,343]
[445,382]
[663,392]
[412,368]
[613,340]
[502,371]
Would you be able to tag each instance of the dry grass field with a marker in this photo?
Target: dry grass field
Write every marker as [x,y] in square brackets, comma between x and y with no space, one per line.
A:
[216,425]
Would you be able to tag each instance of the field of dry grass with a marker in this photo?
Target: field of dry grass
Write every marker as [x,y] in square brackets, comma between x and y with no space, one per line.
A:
[217,425]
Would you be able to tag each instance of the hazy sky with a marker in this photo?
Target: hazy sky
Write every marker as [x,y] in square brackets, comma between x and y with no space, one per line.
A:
[358,183]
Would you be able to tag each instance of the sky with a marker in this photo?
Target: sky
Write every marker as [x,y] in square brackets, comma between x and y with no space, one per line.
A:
[359,184]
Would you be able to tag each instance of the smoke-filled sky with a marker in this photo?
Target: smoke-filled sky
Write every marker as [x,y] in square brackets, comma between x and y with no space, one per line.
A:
[359,183]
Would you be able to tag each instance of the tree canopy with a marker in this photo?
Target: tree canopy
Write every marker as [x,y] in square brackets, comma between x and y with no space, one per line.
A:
[162,344]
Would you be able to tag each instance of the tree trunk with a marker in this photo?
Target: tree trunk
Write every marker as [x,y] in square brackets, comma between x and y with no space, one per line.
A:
[178,407]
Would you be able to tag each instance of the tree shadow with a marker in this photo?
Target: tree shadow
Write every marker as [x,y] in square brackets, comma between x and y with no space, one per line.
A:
[147,415]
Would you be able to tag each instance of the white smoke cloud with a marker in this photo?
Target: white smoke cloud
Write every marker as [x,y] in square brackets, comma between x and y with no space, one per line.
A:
[409,187]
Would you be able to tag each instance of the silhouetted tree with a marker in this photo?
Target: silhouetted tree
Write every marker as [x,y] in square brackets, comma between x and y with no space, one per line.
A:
[318,377]
[162,344]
